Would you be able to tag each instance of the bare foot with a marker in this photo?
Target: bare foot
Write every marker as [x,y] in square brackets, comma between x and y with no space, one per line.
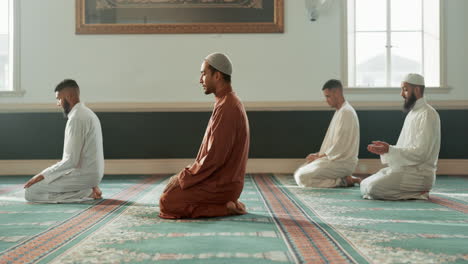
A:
[236,208]
[351,180]
[97,193]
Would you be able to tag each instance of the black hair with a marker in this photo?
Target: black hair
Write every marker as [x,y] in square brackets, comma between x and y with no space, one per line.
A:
[333,84]
[67,83]
[226,77]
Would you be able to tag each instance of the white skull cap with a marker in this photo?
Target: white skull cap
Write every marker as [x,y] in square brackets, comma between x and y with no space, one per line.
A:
[415,79]
[220,61]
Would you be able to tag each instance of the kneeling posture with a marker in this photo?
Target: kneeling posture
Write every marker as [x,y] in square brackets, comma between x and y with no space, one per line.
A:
[412,162]
[338,156]
[211,186]
[76,177]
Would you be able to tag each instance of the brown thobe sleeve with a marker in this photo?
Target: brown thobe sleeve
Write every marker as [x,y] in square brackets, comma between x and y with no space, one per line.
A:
[216,147]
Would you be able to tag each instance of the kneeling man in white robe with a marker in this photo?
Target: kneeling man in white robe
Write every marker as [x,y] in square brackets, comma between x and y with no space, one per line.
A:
[333,165]
[76,177]
[412,162]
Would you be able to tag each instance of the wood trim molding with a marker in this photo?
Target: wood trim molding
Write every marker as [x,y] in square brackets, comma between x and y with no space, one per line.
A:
[208,106]
[14,93]
[393,90]
[150,166]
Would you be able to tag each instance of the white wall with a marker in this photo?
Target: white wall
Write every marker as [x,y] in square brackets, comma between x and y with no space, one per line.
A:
[165,68]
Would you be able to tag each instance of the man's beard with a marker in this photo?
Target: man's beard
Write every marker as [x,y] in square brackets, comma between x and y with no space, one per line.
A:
[66,108]
[208,90]
[409,103]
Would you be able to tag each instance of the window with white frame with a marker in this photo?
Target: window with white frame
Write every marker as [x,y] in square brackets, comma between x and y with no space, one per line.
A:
[389,38]
[8,52]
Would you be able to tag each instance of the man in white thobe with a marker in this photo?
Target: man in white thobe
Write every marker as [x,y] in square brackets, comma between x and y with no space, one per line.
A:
[333,165]
[76,177]
[412,162]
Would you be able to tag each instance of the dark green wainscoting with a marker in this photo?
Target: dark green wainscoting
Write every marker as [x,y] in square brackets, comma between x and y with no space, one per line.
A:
[163,135]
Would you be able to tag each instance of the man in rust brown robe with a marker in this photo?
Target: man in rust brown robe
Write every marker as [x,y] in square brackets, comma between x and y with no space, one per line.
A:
[211,186]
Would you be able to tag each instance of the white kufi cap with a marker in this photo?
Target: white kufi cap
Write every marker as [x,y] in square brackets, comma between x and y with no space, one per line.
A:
[220,61]
[415,79]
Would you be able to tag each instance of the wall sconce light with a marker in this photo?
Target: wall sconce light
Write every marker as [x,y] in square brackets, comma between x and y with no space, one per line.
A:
[315,7]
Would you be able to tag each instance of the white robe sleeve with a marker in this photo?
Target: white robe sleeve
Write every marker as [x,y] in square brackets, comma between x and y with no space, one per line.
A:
[74,140]
[383,158]
[421,142]
[344,136]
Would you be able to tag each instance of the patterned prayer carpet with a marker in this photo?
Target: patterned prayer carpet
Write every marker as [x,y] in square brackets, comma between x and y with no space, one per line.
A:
[285,224]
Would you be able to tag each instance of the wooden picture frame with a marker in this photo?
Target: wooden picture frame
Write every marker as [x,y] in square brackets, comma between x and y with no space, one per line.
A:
[179,16]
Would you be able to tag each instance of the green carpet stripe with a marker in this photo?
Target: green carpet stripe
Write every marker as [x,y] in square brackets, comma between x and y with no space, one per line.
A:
[8,189]
[139,236]
[57,253]
[284,224]
[338,239]
[301,239]
[449,203]
[294,253]
[44,243]
[450,197]
[310,240]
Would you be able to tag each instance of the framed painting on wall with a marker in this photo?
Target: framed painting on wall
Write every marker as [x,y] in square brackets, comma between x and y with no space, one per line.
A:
[179,16]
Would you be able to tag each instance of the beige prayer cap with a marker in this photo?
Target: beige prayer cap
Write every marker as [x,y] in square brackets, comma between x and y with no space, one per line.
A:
[220,61]
[415,79]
